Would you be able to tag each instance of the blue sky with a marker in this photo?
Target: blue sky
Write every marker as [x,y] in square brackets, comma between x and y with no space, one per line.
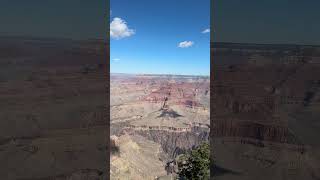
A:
[145,36]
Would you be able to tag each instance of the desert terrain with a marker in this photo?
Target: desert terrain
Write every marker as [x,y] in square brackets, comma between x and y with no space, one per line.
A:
[154,118]
[265,111]
[53,116]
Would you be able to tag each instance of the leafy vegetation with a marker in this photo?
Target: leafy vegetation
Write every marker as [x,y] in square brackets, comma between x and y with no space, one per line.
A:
[195,164]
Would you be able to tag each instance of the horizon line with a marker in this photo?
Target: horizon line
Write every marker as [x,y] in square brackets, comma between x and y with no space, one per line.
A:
[159,74]
[257,43]
[105,38]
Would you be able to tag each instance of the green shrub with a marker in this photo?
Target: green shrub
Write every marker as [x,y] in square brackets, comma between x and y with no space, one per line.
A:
[195,164]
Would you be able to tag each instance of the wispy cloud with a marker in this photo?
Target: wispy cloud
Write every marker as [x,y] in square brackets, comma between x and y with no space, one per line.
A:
[119,29]
[206,31]
[185,44]
[116,59]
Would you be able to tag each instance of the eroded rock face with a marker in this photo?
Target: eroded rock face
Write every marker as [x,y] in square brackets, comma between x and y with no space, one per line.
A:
[175,143]
[53,116]
[264,102]
[257,131]
[139,159]
[172,112]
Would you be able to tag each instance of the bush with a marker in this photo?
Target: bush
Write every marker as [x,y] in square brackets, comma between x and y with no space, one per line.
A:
[196,164]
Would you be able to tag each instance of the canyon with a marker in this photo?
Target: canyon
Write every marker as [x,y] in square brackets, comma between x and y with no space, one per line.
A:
[265,111]
[53,116]
[168,113]
[262,122]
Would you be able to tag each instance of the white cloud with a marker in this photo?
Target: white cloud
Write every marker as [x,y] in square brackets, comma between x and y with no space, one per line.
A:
[116,59]
[119,29]
[185,44]
[206,31]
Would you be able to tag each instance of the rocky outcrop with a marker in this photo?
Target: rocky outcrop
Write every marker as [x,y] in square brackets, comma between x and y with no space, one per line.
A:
[138,158]
[174,143]
[265,101]
[262,132]
[53,117]
[171,112]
